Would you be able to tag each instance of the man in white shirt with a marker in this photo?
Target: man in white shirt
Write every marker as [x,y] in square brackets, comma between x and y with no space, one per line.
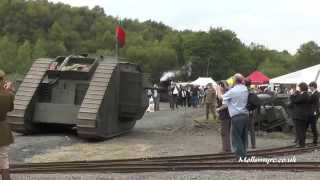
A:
[236,100]
[175,94]
[156,97]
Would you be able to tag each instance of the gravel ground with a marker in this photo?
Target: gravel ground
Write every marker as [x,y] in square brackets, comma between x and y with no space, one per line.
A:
[164,133]
[200,175]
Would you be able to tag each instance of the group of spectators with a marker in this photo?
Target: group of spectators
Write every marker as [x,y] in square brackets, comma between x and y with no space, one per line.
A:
[235,107]
[154,99]
[186,96]
[236,110]
[230,104]
[304,104]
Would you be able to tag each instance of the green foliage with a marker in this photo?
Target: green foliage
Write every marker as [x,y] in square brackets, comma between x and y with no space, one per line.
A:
[24,57]
[308,54]
[40,49]
[8,54]
[38,28]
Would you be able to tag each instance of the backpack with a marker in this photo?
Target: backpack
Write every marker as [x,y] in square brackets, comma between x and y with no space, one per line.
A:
[253,102]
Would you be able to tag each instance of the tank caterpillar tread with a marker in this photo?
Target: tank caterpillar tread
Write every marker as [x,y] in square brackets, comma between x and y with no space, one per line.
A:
[90,107]
[24,97]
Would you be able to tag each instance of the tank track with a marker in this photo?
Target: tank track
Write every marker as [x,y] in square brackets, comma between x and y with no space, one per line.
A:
[22,104]
[88,112]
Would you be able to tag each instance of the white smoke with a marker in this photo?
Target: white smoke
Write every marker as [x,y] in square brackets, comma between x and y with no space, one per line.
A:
[167,75]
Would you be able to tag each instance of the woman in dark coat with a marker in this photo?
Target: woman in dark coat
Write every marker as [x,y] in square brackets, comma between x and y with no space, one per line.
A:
[301,108]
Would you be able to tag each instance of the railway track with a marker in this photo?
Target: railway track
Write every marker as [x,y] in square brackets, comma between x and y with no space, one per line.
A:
[217,156]
[176,166]
[220,161]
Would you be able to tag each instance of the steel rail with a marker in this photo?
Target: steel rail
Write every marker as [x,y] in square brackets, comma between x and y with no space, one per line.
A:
[177,166]
[209,157]
[178,163]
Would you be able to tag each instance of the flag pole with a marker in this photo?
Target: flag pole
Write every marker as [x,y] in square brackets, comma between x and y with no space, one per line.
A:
[117,48]
[116,36]
[120,39]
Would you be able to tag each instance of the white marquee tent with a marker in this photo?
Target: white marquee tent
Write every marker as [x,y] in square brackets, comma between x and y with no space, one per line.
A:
[203,81]
[306,75]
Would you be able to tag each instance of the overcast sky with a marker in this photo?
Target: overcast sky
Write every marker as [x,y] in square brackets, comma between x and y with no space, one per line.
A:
[277,24]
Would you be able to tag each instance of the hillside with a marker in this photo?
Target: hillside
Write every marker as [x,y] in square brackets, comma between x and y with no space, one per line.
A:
[32,29]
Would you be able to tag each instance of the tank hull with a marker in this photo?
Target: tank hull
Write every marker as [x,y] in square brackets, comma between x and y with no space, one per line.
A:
[104,101]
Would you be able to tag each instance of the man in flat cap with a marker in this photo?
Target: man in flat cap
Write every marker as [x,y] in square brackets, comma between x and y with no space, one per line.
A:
[6,138]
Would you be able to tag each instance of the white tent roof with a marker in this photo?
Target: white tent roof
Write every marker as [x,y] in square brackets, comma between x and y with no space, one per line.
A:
[203,81]
[306,75]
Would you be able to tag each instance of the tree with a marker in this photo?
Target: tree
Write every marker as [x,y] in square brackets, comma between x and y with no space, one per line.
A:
[24,57]
[56,49]
[40,49]
[8,54]
[277,63]
[56,32]
[308,54]
[163,59]
[258,53]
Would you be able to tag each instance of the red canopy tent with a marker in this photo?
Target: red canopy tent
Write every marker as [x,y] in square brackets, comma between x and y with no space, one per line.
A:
[258,77]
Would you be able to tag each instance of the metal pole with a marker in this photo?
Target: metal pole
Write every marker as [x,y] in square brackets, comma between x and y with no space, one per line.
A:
[116,36]
[317,76]
[117,49]
[208,67]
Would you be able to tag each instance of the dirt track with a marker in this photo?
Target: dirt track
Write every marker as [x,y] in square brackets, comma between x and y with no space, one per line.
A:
[163,133]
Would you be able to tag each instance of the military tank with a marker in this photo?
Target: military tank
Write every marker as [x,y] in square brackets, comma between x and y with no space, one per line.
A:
[274,114]
[98,97]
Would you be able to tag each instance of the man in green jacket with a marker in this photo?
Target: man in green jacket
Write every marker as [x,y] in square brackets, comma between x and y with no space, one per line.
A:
[210,101]
[6,138]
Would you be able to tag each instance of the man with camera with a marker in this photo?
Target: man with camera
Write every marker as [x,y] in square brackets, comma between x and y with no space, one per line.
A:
[301,109]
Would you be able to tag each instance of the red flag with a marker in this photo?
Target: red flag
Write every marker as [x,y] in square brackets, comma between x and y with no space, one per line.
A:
[121,36]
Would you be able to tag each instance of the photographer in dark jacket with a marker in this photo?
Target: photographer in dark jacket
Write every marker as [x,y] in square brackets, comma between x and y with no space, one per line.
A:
[252,113]
[314,115]
[301,110]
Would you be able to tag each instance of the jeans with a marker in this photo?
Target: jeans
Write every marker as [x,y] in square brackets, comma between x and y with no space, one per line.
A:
[194,101]
[239,134]
[252,130]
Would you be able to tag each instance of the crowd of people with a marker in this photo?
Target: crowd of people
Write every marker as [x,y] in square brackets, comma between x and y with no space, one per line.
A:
[178,96]
[237,115]
[305,111]
[230,104]
[185,96]
[236,107]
